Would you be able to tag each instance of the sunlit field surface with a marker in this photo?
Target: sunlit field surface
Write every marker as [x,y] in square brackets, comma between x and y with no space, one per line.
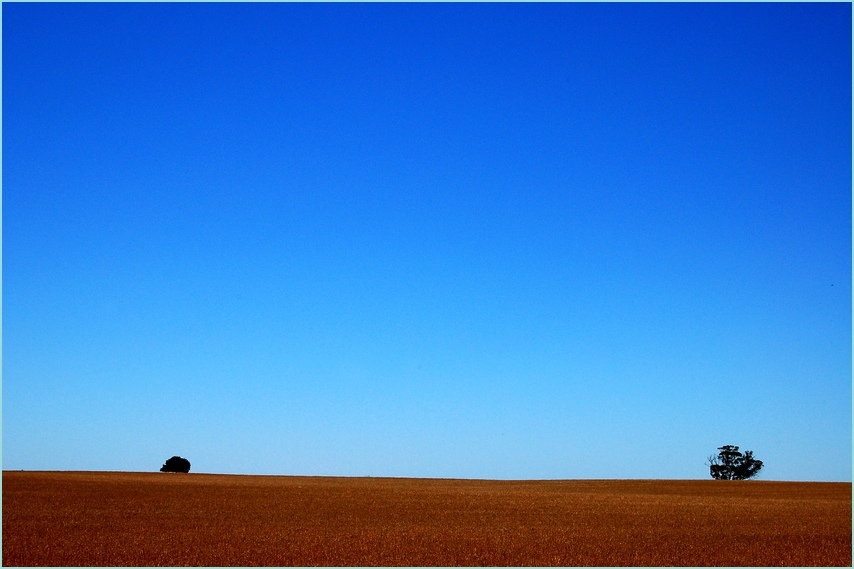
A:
[101,518]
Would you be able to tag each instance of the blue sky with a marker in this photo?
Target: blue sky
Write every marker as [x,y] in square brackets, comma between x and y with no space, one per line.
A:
[439,240]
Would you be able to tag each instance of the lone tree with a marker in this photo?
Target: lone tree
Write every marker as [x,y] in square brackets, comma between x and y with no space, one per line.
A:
[176,464]
[730,464]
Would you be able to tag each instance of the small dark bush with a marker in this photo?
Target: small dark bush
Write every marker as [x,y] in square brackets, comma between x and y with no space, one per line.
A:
[176,464]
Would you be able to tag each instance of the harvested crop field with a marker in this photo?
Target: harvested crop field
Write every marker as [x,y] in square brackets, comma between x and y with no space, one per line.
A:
[115,519]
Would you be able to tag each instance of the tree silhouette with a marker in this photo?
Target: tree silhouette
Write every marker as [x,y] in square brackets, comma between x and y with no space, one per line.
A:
[730,464]
[176,464]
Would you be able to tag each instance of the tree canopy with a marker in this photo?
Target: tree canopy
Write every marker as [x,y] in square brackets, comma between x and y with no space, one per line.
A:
[730,464]
[176,464]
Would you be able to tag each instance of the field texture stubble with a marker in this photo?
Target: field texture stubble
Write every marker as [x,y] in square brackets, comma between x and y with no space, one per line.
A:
[80,519]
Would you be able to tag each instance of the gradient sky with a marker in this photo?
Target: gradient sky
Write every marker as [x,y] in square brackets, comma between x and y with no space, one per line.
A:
[439,240]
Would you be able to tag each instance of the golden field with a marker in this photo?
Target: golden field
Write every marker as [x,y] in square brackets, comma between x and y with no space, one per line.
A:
[115,519]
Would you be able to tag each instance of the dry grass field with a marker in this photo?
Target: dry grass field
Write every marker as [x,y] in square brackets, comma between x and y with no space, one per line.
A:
[101,518]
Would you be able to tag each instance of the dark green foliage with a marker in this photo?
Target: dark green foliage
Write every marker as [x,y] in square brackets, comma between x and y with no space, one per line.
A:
[176,464]
[730,464]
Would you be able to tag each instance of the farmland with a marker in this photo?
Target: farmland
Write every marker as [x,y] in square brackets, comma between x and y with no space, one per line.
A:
[152,519]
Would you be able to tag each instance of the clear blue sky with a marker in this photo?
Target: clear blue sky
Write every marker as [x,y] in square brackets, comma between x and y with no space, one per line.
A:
[440,240]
